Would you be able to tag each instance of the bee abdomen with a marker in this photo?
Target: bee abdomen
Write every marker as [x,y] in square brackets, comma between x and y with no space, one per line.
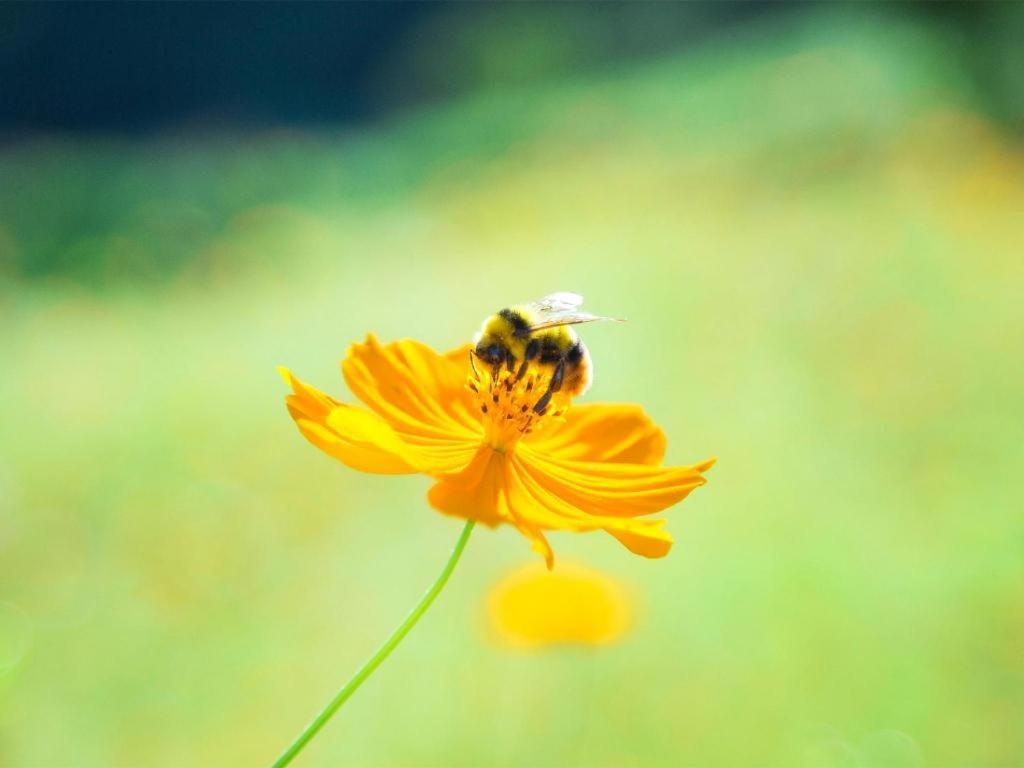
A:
[575,354]
[550,351]
[577,369]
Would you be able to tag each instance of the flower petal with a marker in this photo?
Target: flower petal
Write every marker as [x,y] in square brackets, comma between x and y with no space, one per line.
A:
[616,432]
[619,490]
[583,496]
[420,393]
[646,538]
[535,502]
[475,493]
[354,436]
[481,492]
[460,357]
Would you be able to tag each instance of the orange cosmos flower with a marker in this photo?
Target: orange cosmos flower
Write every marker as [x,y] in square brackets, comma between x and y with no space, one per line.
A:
[496,460]
[571,605]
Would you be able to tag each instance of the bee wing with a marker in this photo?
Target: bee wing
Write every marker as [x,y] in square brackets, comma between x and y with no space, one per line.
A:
[554,319]
[562,308]
[563,301]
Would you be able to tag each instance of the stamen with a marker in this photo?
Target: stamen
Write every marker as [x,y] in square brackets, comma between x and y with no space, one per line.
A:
[516,399]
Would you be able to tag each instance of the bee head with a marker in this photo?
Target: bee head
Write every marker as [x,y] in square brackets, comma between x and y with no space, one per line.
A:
[490,350]
[502,337]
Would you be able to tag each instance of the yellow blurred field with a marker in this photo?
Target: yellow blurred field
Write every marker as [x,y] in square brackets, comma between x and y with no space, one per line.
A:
[817,241]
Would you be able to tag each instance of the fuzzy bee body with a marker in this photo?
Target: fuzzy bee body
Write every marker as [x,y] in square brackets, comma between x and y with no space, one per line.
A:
[540,335]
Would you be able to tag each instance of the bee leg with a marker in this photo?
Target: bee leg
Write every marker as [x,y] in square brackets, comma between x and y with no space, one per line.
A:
[510,362]
[557,377]
[472,364]
[532,350]
[553,386]
[541,405]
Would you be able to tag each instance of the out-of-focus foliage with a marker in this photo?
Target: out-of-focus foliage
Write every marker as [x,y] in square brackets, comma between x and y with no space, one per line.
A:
[92,66]
[105,210]
[816,237]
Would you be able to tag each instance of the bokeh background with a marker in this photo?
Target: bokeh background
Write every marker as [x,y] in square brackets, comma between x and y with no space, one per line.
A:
[813,217]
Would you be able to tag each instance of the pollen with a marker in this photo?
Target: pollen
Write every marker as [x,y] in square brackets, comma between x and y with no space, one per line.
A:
[513,403]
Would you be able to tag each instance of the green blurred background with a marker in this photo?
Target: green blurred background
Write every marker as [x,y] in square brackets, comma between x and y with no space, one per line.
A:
[813,217]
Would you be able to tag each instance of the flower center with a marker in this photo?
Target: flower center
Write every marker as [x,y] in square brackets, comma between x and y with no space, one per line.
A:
[514,403]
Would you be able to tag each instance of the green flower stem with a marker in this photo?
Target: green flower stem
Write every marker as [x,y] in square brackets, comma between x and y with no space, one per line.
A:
[382,653]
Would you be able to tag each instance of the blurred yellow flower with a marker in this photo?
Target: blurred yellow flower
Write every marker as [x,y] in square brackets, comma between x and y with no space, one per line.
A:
[533,607]
[594,467]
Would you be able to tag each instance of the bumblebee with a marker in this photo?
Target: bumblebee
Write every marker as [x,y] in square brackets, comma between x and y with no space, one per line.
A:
[539,335]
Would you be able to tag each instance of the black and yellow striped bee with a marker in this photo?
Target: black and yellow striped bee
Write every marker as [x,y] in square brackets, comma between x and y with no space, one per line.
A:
[539,335]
